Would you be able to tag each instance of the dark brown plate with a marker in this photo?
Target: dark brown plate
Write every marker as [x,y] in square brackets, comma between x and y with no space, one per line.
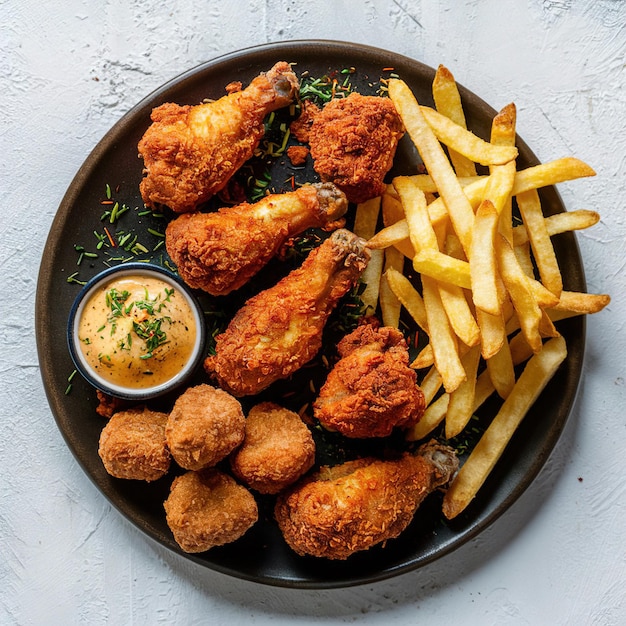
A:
[261,555]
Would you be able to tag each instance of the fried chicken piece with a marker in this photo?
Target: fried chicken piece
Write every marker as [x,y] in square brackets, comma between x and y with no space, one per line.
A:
[277,450]
[219,252]
[371,389]
[351,507]
[353,142]
[132,445]
[280,329]
[208,508]
[205,425]
[190,152]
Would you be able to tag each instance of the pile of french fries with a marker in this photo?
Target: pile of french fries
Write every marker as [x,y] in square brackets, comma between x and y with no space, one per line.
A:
[491,290]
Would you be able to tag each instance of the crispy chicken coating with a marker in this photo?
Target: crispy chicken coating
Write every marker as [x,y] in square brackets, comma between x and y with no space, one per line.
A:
[205,425]
[280,329]
[133,446]
[353,142]
[371,389]
[351,507]
[219,252]
[190,152]
[208,508]
[277,450]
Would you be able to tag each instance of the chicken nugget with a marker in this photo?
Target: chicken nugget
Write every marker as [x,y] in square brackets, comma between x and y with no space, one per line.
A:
[133,446]
[277,450]
[208,508]
[356,505]
[353,143]
[206,424]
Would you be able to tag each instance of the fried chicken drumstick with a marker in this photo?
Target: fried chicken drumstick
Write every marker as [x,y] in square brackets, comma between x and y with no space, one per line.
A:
[351,507]
[190,152]
[280,329]
[219,252]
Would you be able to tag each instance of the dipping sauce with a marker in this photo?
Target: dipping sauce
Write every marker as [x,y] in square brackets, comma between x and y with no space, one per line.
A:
[137,331]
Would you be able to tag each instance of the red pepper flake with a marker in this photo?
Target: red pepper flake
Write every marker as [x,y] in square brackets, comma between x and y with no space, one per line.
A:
[107,202]
[388,69]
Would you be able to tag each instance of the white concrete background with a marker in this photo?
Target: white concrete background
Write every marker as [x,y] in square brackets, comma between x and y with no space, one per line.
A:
[69,69]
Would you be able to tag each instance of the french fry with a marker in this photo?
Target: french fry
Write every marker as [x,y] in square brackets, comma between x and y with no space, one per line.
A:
[483,266]
[517,284]
[408,296]
[442,339]
[435,159]
[434,414]
[365,221]
[492,332]
[421,233]
[501,371]
[543,251]
[393,212]
[543,175]
[426,183]
[472,475]
[461,405]
[573,303]
[465,142]
[448,102]
[424,359]
[459,313]
[431,384]
[389,304]
[559,223]
[443,268]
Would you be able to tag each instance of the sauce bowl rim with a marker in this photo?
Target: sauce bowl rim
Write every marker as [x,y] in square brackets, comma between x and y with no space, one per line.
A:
[136,268]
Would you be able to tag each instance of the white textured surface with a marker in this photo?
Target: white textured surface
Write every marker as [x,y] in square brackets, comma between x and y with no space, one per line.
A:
[68,72]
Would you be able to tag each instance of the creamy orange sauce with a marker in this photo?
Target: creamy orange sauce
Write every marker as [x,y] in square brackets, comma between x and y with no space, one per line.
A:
[137,332]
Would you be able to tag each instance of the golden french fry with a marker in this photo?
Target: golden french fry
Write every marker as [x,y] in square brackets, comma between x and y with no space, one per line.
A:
[389,304]
[483,266]
[518,287]
[365,220]
[421,233]
[424,359]
[393,212]
[442,339]
[492,332]
[432,417]
[435,159]
[551,173]
[443,267]
[448,102]
[465,142]
[461,405]
[431,384]
[543,251]
[573,303]
[537,373]
[426,183]
[408,296]
[560,223]
[501,370]
[459,313]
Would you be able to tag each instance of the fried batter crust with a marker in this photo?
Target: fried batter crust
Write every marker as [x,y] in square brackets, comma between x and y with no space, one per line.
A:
[190,152]
[205,425]
[353,143]
[351,507]
[371,390]
[132,445]
[208,508]
[277,450]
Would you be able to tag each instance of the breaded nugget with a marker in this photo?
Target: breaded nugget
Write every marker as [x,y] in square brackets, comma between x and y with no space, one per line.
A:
[277,450]
[132,445]
[353,142]
[207,509]
[206,424]
[353,506]
[371,390]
